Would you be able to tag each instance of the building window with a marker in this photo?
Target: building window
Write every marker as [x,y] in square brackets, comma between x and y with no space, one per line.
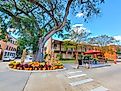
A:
[8,54]
[5,54]
[11,48]
[85,49]
[14,49]
[10,41]
[7,48]
[13,42]
[55,46]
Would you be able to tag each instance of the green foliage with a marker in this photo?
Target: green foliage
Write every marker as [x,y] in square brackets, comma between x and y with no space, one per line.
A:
[59,56]
[3,35]
[34,19]
[28,41]
[77,38]
[78,34]
[118,50]
[103,40]
[33,14]
[67,61]
[69,44]
[87,57]
[80,56]
[103,43]
[24,15]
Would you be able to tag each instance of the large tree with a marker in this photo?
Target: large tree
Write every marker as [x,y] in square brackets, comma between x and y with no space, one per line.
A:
[102,43]
[102,40]
[79,36]
[67,44]
[36,15]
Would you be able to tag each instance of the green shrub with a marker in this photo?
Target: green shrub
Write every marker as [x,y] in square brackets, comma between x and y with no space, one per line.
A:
[59,56]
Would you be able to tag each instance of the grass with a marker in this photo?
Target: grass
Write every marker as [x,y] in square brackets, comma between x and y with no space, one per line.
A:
[67,61]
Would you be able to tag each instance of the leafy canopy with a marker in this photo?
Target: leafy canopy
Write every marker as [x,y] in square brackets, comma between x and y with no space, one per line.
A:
[34,19]
[103,40]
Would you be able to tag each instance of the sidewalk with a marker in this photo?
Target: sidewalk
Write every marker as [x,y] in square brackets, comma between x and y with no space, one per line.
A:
[47,82]
[67,80]
[4,66]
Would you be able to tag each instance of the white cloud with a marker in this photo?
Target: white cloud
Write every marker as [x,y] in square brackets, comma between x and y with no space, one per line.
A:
[75,25]
[10,30]
[79,14]
[118,37]
[79,28]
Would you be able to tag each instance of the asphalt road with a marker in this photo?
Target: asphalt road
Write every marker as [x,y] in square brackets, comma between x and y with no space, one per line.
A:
[10,80]
[45,81]
[110,76]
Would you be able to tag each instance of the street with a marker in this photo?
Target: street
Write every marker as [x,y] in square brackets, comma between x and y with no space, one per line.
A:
[68,80]
[109,77]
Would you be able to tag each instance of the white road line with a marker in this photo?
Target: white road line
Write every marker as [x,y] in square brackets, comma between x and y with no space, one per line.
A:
[74,72]
[101,88]
[81,82]
[75,76]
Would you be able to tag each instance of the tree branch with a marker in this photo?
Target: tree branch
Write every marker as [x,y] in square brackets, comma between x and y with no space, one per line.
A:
[43,8]
[46,24]
[9,13]
[82,1]
[15,4]
[57,28]
[37,25]
[66,14]
[32,9]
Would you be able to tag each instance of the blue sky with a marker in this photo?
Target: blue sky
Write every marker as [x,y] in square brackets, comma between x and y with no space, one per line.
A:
[108,22]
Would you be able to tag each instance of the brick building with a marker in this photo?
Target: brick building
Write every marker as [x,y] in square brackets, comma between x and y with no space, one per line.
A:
[55,47]
[8,48]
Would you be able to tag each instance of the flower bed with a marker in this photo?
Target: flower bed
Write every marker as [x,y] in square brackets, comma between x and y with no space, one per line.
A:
[36,65]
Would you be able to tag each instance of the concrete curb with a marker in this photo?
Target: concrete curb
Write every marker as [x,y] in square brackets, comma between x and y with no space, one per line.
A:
[101,66]
[40,71]
[97,66]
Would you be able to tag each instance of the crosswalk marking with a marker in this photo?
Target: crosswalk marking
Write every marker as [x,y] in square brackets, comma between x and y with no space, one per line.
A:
[75,76]
[74,72]
[101,88]
[81,82]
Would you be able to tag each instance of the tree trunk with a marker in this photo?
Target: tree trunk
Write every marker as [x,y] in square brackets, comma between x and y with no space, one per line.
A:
[66,53]
[40,54]
[42,41]
[52,32]
[76,52]
[76,57]
[34,56]
[23,56]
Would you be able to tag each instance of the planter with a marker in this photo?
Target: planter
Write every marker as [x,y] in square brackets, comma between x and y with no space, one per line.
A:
[35,66]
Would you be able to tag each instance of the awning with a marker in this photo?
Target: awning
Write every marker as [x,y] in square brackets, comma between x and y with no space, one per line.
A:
[92,52]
